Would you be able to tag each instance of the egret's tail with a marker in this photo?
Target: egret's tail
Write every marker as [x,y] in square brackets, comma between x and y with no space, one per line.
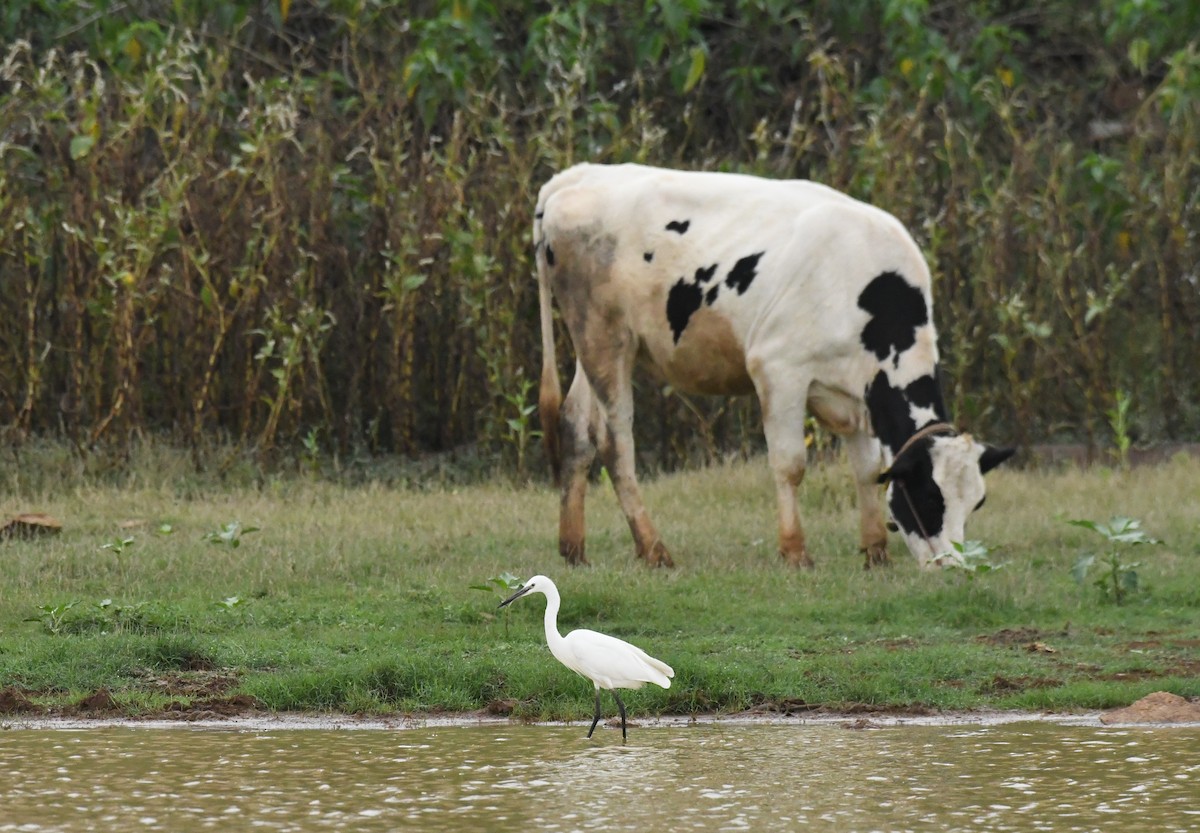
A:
[664,671]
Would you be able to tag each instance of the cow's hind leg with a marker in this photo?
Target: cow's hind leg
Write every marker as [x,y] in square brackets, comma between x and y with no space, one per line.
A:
[863,451]
[579,416]
[617,452]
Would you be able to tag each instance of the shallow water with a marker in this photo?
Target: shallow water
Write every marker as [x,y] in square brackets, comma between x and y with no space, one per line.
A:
[1017,776]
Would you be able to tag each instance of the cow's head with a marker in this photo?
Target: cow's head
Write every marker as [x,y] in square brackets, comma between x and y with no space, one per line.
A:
[933,485]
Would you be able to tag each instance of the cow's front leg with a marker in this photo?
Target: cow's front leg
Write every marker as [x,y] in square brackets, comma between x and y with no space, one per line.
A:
[865,459]
[792,547]
[788,458]
[782,397]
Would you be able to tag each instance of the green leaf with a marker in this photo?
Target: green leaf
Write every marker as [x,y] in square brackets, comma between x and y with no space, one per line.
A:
[1079,571]
[1128,580]
[1128,531]
[1139,54]
[82,145]
[696,69]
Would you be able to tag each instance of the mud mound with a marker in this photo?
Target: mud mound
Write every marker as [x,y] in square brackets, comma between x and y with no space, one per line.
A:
[14,701]
[1159,707]
[99,701]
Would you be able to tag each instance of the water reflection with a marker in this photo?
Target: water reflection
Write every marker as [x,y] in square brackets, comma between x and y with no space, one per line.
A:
[1018,777]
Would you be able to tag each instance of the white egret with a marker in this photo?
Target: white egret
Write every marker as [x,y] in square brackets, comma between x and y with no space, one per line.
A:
[608,662]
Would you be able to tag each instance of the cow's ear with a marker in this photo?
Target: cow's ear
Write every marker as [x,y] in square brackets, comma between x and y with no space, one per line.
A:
[993,457]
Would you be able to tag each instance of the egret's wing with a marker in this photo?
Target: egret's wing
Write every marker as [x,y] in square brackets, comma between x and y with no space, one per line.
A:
[614,663]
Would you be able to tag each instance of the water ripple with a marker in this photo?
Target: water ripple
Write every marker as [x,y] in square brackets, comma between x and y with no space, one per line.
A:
[1010,777]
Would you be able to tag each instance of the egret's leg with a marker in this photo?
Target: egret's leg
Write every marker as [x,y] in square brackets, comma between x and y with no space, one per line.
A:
[596,719]
[620,706]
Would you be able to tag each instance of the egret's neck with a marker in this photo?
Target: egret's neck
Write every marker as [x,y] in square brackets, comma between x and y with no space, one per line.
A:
[553,637]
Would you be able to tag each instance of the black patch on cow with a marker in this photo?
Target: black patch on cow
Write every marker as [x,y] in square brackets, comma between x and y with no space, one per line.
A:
[925,392]
[897,310]
[923,493]
[890,415]
[686,297]
[680,226]
[549,255]
[891,408]
[683,300]
[743,272]
[648,256]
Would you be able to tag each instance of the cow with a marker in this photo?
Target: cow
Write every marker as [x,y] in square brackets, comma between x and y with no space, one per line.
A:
[730,284]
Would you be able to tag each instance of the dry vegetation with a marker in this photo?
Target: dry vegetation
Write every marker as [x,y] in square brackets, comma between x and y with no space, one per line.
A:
[304,226]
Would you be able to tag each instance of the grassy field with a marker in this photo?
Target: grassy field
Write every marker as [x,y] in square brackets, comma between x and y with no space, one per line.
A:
[359,598]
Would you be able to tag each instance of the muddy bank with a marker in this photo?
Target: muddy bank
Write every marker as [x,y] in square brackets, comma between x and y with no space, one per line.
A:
[1158,709]
[274,721]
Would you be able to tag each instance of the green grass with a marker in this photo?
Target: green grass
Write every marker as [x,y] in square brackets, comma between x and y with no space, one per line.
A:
[357,598]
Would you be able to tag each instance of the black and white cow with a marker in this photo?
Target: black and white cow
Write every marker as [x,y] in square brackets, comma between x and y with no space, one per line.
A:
[731,284]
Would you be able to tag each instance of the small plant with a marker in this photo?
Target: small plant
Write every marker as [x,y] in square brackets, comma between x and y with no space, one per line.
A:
[230,535]
[311,457]
[118,545]
[1118,420]
[1119,578]
[974,558]
[234,607]
[124,617]
[503,585]
[520,428]
[53,616]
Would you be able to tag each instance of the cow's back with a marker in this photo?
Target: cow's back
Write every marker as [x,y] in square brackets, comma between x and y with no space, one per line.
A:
[701,269]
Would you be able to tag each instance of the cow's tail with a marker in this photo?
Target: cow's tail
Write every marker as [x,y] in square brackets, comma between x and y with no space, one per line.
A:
[550,391]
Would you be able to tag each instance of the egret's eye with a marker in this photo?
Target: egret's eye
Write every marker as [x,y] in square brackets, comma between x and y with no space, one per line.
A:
[893,526]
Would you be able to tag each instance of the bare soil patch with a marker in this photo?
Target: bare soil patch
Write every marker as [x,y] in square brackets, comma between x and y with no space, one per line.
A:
[1159,707]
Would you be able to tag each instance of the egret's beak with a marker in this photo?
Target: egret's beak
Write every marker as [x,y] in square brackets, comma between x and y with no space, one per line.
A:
[515,596]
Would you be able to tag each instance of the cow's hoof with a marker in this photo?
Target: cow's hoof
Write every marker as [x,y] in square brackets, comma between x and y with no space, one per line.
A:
[876,555]
[573,553]
[657,556]
[798,559]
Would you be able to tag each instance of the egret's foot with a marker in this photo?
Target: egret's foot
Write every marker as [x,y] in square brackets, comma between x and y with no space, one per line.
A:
[572,551]
[876,555]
